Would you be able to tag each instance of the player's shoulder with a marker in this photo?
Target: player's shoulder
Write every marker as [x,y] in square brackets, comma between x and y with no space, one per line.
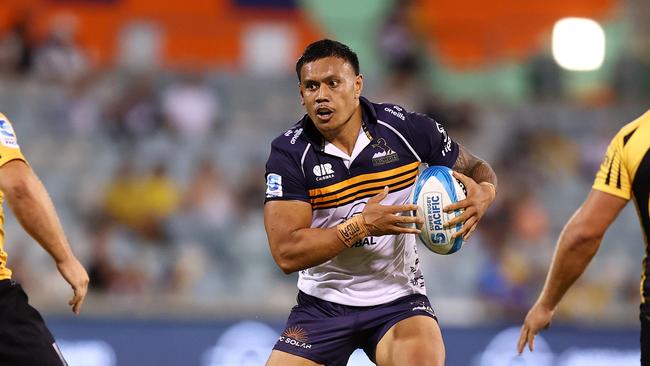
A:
[293,140]
[7,134]
[396,115]
[4,118]
[639,127]
[5,124]
[387,112]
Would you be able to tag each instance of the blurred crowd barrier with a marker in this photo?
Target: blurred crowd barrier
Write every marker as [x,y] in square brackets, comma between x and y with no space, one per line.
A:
[242,342]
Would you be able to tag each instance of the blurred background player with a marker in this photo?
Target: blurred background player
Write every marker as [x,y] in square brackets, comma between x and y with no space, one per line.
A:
[24,337]
[337,184]
[623,175]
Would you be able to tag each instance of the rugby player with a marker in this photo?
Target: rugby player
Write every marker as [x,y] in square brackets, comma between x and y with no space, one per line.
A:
[24,337]
[338,182]
[624,174]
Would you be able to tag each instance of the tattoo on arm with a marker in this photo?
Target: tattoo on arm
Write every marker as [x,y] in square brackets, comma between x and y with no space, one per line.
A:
[474,167]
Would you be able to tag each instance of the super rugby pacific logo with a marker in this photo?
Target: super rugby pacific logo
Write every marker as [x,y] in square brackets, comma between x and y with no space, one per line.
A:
[7,135]
[434,217]
[273,185]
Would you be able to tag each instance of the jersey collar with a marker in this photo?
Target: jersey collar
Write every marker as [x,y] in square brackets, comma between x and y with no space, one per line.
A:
[362,141]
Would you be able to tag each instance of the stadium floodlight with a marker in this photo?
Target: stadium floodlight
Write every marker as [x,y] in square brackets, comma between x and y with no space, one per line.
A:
[578,44]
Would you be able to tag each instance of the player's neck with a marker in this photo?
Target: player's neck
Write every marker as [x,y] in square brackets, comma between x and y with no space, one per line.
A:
[346,136]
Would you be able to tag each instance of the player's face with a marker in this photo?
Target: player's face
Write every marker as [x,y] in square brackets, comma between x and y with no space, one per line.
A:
[329,90]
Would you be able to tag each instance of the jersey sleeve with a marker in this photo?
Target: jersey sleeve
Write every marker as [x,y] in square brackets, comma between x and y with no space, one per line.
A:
[613,177]
[284,177]
[431,141]
[9,149]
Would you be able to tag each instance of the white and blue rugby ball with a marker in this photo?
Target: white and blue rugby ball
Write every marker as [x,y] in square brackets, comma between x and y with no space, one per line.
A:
[435,188]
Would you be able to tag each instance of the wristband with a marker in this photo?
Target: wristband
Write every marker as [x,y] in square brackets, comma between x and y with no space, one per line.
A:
[352,230]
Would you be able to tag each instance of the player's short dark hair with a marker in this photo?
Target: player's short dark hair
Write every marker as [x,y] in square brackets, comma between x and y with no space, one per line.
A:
[327,48]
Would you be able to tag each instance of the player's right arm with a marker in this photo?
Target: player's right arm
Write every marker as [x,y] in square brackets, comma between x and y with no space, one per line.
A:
[33,208]
[295,245]
[577,245]
[580,239]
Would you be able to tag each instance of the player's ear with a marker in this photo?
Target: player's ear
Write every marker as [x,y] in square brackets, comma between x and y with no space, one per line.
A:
[358,86]
[302,97]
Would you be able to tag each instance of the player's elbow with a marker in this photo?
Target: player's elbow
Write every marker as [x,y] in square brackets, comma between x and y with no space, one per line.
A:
[581,235]
[288,269]
[287,266]
[18,188]
[285,261]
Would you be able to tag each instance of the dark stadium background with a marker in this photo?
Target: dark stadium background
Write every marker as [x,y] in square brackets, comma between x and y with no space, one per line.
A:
[150,122]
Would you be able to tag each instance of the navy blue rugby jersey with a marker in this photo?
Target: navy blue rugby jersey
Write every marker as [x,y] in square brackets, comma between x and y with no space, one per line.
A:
[388,152]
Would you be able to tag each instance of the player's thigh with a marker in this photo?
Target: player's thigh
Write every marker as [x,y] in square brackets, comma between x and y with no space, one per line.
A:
[279,358]
[414,341]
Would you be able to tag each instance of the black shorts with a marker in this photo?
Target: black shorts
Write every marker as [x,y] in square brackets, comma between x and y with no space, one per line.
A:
[328,333]
[24,338]
[645,336]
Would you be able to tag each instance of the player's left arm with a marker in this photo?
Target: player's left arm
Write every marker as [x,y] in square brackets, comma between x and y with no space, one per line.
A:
[481,184]
[32,206]
[577,245]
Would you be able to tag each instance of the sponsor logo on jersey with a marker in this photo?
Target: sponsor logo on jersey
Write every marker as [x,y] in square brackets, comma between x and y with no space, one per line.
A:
[296,336]
[273,185]
[397,113]
[368,240]
[323,171]
[296,133]
[417,281]
[446,142]
[384,155]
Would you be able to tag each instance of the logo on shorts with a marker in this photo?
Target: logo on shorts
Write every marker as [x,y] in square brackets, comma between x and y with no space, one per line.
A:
[295,336]
[385,154]
[422,306]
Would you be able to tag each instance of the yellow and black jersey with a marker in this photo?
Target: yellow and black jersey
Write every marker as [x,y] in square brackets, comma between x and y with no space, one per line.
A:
[9,150]
[625,173]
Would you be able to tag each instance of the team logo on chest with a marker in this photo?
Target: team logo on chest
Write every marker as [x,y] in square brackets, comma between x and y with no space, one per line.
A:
[384,155]
[323,171]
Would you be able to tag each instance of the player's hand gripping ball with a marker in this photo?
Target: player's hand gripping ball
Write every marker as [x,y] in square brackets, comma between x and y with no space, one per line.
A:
[435,188]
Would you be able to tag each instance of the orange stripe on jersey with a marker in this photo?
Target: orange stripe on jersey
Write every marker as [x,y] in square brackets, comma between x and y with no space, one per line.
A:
[366,193]
[344,185]
[379,184]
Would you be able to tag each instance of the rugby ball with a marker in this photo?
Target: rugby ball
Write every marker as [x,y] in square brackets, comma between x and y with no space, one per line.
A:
[434,189]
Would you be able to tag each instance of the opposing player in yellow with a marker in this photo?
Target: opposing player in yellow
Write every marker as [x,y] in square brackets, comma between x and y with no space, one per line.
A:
[24,338]
[624,174]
